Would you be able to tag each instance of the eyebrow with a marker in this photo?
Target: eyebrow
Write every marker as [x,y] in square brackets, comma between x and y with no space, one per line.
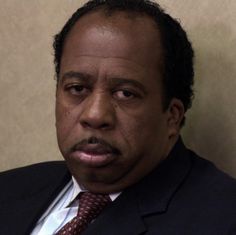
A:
[73,74]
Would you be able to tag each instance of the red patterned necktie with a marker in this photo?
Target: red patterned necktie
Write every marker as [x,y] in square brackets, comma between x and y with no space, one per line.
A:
[90,206]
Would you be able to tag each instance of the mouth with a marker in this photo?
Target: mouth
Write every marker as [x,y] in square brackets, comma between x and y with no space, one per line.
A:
[94,154]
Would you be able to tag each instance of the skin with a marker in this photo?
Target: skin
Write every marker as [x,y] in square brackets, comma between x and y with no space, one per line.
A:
[111,126]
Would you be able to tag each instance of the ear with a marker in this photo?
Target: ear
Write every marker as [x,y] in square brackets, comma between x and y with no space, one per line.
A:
[175,116]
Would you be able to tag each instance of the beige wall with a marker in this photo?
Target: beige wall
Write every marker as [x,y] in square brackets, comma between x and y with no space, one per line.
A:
[27,85]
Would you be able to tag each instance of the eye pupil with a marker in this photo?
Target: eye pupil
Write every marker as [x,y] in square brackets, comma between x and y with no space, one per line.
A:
[127,93]
[78,88]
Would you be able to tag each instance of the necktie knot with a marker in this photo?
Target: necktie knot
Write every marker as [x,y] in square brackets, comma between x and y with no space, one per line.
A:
[90,206]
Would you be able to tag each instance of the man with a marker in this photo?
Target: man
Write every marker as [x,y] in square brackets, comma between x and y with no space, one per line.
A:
[124,82]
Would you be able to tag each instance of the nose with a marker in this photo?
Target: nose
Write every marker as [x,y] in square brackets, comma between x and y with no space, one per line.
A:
[98,112]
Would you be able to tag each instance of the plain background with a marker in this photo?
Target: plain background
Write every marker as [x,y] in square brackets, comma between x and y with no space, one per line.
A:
[27,85]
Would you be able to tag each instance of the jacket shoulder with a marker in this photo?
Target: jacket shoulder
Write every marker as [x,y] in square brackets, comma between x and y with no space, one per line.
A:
[37,170]
[211,193]
[210,177]
[36,176]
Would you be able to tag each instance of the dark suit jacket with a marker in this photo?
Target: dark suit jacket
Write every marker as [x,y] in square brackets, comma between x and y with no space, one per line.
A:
[184,195]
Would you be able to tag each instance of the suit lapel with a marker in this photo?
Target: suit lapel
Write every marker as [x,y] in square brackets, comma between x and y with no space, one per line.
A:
[25,211]
[150,196]
[156,191]
[120,217]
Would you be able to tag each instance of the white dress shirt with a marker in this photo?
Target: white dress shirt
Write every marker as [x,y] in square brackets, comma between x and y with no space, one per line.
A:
[62,210]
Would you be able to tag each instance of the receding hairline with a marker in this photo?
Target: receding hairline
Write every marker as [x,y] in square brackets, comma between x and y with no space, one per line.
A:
[109,17]
[113,14]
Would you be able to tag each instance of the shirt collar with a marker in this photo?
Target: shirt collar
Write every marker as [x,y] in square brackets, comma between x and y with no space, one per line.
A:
[76,188]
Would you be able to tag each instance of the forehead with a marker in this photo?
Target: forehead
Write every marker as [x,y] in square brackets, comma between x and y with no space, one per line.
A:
[117,19]
[131,36]
[126,28]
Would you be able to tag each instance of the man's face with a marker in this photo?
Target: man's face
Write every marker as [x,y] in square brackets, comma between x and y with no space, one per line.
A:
[111,126]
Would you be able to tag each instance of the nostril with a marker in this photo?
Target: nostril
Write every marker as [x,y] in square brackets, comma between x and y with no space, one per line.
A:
[85,124]
[104,126]
[95,125]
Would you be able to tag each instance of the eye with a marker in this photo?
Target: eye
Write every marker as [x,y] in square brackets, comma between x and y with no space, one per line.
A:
[124,95]
[77,89]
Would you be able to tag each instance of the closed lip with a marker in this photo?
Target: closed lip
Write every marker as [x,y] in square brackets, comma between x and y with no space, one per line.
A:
[95,149]
[94,155]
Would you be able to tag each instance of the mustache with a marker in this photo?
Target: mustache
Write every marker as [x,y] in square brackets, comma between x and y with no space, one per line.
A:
[94,141]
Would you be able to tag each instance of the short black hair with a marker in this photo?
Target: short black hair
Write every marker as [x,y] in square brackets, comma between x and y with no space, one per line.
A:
[178,54]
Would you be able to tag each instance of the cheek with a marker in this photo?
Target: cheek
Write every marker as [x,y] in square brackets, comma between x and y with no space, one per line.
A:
[131,128]
[65,123]
[141,128]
